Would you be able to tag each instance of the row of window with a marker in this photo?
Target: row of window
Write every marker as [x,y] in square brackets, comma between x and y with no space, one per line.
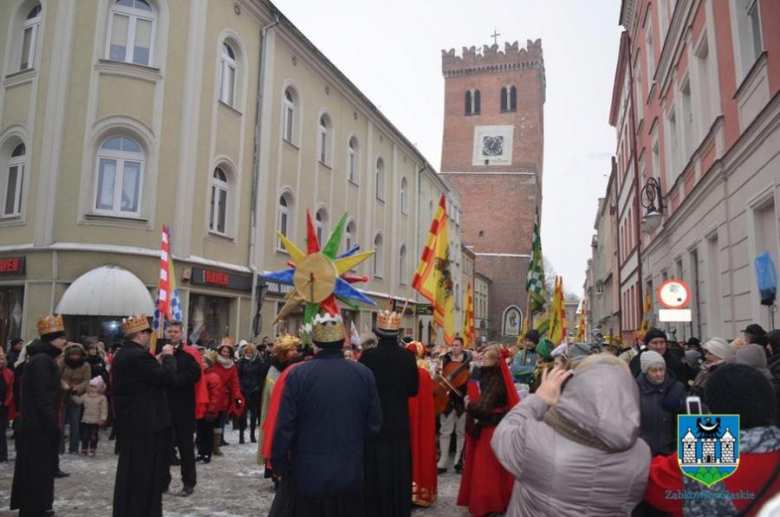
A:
[507,99]
[131,37]
[284,223]
[325,138]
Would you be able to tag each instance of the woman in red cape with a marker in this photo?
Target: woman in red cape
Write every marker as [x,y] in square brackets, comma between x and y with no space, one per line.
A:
[486,487]
[422,426]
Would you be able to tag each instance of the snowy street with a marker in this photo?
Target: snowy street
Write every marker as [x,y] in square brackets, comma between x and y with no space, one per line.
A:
[231,486]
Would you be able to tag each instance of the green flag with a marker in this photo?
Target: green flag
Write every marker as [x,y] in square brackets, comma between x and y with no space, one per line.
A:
[535,282]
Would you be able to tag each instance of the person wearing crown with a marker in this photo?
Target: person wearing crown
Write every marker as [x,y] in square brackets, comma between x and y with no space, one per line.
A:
[388,469]
[422,424]
[37,444]
[321,455]
[143,421]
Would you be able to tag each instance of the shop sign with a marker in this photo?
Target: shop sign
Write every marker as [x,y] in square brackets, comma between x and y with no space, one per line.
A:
[275,287]
[398,305]
[211,277]
[424,310]
[13,266]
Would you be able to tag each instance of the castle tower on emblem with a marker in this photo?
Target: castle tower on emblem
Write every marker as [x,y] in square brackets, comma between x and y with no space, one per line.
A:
[689,447]
[727,447]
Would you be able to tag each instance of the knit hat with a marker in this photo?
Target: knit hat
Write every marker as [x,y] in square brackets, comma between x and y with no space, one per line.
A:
[97,382]
[654,333]
[753,355]
[717,347]
[650,358]
[740,389]
[693,358]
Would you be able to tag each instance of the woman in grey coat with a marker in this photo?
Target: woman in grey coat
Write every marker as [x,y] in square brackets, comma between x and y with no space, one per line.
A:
[576,452]
[661,399]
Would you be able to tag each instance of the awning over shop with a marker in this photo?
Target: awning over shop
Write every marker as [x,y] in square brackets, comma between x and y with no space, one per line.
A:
[106,291]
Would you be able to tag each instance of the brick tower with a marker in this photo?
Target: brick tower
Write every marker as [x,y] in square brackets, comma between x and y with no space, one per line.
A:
[492,151]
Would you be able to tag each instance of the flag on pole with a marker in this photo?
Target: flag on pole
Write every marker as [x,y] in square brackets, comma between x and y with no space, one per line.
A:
[534,285]
[647,314]
[168,306]
[354,337]
[468,319]
[433,279]
[581,323]
[557,330]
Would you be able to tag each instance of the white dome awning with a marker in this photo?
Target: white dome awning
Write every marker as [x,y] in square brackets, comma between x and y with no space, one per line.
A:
[106,291]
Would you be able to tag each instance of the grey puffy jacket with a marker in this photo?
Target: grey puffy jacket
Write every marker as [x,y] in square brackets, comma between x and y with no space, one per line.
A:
[557,476]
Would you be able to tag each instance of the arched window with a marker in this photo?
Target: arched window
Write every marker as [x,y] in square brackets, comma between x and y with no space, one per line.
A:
[379,263]
[12,183]
[290,115]
[30,38]
[131,32]
[350,234]
[324,140]
[404,197]
[120,170]
[284,218]
[468,102]
[477,102]
[227,75]
[402,265]
[321,225]
[352,160]
[220,190]
[509,98]
[380,179]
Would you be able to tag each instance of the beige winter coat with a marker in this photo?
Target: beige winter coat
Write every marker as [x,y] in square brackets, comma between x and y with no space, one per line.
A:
[77,378]
[555,475]
[95,409]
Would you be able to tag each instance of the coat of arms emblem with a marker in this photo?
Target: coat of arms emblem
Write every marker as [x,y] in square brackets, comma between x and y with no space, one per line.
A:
[708,446]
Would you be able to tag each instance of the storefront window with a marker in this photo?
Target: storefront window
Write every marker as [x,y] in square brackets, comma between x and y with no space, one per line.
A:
[209,319]
[11,303]
[107,329]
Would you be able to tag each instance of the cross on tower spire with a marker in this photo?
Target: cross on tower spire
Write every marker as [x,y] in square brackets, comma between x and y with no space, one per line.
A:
[495,36]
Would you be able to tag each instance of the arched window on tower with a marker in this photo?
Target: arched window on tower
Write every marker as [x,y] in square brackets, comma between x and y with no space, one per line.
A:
[477,102]
[508,99]
[513,99]
[503,99]
[468,103]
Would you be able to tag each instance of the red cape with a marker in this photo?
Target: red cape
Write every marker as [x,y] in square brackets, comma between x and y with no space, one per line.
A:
[7,376]
[422,425]
[273,412]
[201,392]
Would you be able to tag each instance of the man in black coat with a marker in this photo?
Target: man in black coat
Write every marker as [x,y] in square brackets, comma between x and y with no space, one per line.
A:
[37,443]
[388,463]
[656,341]
[181,401]
[143,421]
[329,407]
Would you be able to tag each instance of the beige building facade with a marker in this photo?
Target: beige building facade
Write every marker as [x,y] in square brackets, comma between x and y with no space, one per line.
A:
[225,126]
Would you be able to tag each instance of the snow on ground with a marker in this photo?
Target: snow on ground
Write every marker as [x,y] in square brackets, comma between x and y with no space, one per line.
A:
[230,486]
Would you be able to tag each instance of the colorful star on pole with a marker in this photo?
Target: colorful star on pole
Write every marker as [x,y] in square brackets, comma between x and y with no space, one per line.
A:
[319,276]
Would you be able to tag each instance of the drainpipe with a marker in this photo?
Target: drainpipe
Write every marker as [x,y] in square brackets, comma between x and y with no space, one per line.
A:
[256,168]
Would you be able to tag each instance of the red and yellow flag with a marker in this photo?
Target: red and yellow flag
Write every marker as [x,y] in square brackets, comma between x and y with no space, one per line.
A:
[582,322]
[433,278]
[468,319]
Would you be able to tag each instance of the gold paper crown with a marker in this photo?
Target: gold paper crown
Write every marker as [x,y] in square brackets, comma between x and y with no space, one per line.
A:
[388,319]
[227,341]
[284,343]
[50,324]
[133,324]
[327,329]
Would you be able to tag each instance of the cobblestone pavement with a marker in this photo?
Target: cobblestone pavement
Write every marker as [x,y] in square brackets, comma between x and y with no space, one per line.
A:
[231,486]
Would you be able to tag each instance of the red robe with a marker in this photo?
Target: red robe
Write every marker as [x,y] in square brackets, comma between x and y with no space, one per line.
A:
[273,412]
[486,486]
[422,425]
[201,392]
[7,376]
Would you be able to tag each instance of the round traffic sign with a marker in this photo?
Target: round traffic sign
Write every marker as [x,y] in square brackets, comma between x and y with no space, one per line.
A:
[674,294]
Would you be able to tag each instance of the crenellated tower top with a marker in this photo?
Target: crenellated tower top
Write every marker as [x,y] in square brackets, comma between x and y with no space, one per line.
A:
[489,59]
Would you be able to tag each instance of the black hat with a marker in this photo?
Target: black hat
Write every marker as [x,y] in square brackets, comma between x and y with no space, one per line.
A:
[743,390]
[754,329]
[654,333]
[533,335]
[694,342]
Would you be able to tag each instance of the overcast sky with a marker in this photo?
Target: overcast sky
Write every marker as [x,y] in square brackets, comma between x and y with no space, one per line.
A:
[391,49]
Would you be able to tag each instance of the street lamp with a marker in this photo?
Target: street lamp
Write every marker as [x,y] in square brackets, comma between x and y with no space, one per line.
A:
[652,201]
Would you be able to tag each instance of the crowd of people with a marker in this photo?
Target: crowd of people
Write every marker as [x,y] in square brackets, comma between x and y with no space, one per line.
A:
[364,429]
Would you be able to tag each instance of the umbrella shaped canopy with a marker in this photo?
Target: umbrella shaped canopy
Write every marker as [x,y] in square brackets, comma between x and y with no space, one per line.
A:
[106,291]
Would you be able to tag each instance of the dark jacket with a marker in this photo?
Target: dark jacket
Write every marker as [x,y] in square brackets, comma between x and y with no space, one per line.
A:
[249,373]
[181,393]
[395,371]
[140,382]
[40,388]
[659,406]
[673,364]
[98,367]
[329,407]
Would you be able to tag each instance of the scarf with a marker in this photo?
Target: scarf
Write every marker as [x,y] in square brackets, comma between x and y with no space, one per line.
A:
[225,362]
[201,390]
